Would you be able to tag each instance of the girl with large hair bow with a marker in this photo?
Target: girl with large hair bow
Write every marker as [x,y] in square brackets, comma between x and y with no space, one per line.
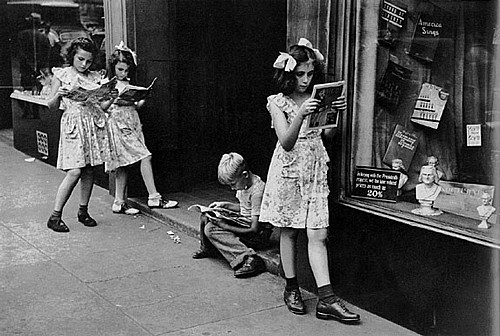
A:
[296,193]
[127,139]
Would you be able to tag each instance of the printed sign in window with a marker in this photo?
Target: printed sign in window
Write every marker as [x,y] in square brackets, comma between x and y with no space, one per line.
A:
[473,135]
[42,143]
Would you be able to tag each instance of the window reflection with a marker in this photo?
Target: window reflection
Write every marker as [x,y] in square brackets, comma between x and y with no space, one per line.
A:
[40,33]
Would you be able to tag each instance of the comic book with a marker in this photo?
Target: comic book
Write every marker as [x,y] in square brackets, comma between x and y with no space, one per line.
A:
[85,90]
[134,93]
[221,213]
[325,116]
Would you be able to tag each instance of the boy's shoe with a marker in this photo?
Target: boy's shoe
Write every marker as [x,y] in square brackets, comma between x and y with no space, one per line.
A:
[159,202]
[85,219]
[336,310]
[251,267]
[294,302]
[57,224]
[203,253]
[124,208]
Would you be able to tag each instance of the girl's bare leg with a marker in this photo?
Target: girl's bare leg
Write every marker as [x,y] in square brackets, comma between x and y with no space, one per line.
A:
[318,255]
[120,184]
[288,242]
[86,184]
[66,188]
[147,175]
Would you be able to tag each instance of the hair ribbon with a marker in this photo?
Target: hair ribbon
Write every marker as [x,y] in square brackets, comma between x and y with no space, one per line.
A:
[123,47]
[285,61]
[306,43]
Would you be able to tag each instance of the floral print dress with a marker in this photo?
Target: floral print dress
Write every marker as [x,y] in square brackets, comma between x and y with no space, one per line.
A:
[296,193]
[127,139]
[84,137]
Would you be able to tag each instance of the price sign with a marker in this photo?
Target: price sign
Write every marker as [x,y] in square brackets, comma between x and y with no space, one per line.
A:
[376,184]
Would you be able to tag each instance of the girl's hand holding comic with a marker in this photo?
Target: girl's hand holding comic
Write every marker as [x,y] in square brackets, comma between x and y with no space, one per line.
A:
[340,103]
[308,107]
[63,91]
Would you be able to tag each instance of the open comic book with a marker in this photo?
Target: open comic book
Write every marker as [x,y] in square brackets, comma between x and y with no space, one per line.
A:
[85,90]
[133,93]
[325,116]
[222,213]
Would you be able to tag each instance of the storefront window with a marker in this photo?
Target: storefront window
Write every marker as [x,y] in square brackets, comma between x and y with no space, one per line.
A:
[425,117]
[40,32]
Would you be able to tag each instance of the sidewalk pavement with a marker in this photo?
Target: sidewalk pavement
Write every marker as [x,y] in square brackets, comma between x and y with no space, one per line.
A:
[127,276]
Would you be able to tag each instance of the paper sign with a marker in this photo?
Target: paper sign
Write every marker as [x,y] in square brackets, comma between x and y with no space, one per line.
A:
[376,184]
[473,135]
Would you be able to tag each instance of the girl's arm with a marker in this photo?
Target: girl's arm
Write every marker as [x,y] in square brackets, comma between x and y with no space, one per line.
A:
[288,133]
[54,98]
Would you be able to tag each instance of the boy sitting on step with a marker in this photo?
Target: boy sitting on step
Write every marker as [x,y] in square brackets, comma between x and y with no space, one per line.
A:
[234,242]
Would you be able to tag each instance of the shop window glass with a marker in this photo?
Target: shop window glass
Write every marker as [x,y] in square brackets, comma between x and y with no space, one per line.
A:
[424,94]
[41,30]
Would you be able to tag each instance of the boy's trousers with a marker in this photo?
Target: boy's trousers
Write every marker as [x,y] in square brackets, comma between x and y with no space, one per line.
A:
[235,248]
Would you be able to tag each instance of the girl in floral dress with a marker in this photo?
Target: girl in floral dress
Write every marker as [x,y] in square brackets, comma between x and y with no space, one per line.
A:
[127,139]
[296,193]
[84,142]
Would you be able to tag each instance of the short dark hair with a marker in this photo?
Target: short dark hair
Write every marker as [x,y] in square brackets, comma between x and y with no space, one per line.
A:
[125,57]
[285,81]
[83,43]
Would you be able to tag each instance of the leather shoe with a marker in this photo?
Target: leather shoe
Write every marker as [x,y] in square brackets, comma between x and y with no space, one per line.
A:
[203,253]
[335,310]
[251,267]
[293,301]
[85,219]
[57,224]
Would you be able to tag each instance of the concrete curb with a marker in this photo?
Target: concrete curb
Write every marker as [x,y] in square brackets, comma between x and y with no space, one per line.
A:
[270,256]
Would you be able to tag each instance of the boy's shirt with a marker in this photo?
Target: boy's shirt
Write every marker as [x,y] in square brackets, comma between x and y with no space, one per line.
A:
[251,199]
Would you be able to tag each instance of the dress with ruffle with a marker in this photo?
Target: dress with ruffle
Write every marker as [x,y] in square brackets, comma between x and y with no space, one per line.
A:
[296,193]
[127,139]
[84,136]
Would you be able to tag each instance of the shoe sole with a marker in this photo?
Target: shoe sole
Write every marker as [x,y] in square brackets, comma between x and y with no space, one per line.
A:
[323,316]
[175,204]
[125,213]
[296,312]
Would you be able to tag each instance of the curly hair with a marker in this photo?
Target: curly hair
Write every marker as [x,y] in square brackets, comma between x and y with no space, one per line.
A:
[285,81]
[125,57]
[83,43]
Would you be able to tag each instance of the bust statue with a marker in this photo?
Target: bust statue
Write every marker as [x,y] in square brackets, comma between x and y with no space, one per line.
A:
[485,210]
[427,191]
[434,161]
[397,164]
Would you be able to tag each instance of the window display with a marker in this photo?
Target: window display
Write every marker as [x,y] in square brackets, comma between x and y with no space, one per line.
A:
[40,32]
[428,70]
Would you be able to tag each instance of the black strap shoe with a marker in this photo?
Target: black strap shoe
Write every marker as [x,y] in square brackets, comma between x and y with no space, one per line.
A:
[294,302]
[85,219]
[57,224]
[336,310]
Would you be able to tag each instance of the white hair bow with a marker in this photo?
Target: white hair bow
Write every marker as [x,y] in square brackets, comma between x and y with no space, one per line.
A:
[285,61]
[123,47]
[306,43]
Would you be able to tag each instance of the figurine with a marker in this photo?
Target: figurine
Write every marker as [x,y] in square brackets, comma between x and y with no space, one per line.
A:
[397,164]
[434,161]
[485,211]
[427,191]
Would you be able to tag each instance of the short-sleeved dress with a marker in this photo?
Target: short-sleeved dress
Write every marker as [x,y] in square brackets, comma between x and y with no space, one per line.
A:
[296,192]
[125,131]
[84,136]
